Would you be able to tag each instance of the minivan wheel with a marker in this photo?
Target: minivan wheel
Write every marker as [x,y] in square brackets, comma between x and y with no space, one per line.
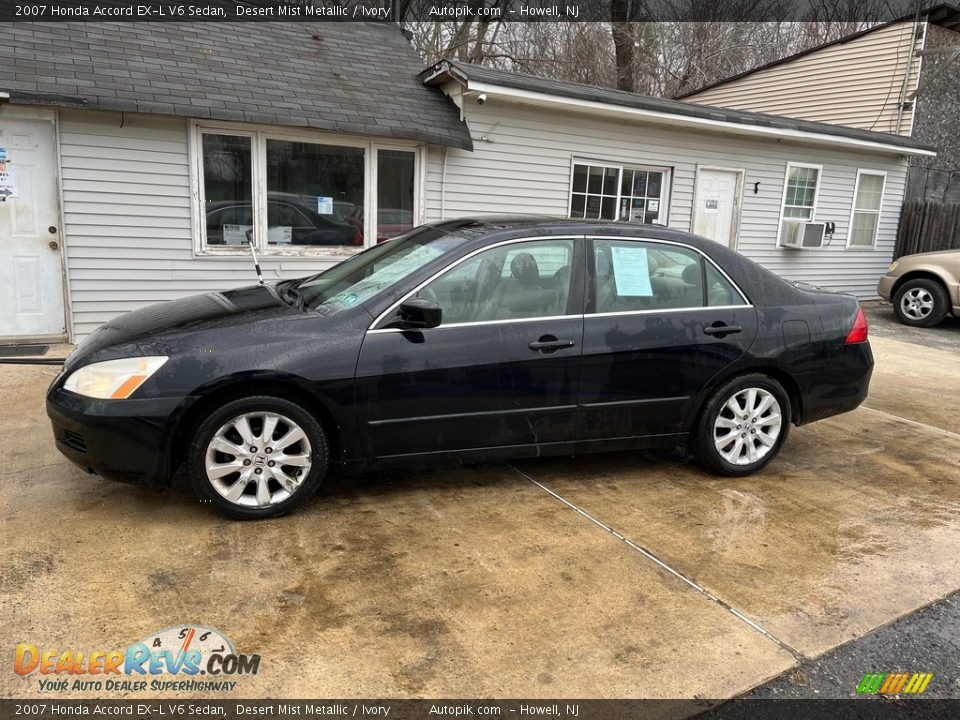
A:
[743,425]
[921,303]
[257,457]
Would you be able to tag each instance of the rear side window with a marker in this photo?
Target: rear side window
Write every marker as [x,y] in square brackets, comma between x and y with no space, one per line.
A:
[633,276]
[720,291]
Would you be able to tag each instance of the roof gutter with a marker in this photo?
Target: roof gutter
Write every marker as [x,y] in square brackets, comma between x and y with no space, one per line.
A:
[626,112]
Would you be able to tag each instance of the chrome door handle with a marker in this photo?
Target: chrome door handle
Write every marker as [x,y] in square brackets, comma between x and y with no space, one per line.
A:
[720,329]
[549,344]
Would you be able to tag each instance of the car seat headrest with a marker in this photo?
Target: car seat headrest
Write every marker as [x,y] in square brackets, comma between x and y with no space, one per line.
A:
[525,269]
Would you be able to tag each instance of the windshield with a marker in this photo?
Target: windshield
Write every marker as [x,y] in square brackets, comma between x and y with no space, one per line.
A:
[361,277]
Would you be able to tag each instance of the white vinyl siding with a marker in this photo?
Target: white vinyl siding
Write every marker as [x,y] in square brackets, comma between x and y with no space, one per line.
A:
[856,83]
[523,161]
[127,213]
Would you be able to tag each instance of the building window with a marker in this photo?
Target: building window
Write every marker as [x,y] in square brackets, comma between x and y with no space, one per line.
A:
[799,197]
[228,188]
[307,195]
[615,192]
[396,175]
[867,200]
[315,194]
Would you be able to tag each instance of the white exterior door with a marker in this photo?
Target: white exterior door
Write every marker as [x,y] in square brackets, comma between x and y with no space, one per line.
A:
[716,210]
[31,269]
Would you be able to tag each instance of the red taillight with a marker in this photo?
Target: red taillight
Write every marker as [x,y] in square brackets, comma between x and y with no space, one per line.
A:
[858,333]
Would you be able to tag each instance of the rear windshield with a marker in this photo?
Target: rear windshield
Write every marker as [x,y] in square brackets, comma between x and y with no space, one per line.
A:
[364,275]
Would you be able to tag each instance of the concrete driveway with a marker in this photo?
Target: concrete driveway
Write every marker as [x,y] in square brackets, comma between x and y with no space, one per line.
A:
[623,575]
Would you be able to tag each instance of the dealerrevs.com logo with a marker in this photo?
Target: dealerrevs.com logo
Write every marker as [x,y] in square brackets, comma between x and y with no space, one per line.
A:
[192,658]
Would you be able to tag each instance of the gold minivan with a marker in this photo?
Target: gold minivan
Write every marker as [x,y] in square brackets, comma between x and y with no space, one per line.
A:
[923,287]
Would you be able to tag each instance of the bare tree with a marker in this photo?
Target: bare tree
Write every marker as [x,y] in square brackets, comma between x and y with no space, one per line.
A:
[669,57]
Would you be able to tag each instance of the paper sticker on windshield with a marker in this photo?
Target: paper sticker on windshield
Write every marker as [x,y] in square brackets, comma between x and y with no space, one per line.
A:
[324,205]
[631,272]
[347,298]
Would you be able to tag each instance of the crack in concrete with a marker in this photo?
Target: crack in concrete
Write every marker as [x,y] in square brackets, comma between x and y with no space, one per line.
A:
[798,656]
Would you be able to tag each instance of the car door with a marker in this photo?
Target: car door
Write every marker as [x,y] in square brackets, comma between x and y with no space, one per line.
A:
[661,321]
[500,371]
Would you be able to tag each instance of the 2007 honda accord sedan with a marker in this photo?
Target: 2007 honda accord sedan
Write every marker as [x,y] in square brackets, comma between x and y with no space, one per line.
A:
[475,339]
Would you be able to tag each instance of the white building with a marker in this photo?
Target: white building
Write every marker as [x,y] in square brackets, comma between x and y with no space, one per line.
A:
[136,158]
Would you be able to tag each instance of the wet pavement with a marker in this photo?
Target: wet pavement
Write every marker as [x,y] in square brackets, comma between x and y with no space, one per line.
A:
[918,643]
[625,575]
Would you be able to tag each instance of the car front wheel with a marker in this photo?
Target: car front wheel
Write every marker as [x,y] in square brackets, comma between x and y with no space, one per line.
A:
[743,425]
[921,303]
[257,457]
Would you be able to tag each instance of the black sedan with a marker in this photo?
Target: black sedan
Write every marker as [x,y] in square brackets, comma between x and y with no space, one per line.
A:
[467,340]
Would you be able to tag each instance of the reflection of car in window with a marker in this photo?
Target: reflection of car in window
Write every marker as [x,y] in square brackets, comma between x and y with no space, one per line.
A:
[391,222]
[307,226]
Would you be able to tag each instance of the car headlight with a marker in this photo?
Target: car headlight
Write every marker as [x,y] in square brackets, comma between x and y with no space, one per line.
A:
[113,379]
[893,266]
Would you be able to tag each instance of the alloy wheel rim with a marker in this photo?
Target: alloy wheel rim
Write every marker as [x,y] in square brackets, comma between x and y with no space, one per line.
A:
[258,459]
[747,427]
[917,303]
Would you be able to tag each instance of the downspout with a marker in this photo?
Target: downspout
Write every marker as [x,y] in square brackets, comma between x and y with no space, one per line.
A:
[906,75]
[443,186]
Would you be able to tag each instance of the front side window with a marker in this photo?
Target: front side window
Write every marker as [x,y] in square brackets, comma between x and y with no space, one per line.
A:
[868,197]
[633,276]
[511,282]
[799,199]
[614,192]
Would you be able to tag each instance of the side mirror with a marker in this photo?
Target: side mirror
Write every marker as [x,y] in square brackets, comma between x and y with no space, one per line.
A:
[419,313]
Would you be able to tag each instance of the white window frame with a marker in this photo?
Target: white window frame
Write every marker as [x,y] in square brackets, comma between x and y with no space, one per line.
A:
[853,209]
[259,135]
[665,186]
[783,197]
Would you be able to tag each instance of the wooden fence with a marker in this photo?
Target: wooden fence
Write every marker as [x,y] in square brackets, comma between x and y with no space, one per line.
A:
[933,184]
[927,226]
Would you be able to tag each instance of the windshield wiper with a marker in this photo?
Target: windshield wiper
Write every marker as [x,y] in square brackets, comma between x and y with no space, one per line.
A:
[290,294]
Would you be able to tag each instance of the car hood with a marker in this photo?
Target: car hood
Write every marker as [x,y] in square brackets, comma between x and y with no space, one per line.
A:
[239,305]
[917,258]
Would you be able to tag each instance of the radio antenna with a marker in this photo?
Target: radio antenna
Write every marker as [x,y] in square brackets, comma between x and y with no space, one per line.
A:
[256,263]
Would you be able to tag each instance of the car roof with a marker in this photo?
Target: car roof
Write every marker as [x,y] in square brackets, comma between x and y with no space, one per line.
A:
[508,226]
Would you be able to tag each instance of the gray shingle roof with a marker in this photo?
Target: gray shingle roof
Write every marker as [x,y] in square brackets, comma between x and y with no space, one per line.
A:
[563,88]
[342,77]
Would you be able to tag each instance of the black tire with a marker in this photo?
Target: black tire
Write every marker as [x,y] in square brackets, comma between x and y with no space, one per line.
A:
[917,290]
[283,488]
[703,438]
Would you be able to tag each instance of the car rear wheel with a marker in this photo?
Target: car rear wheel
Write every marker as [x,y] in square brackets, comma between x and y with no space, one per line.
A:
[743,425]
[257,457]
[921,303]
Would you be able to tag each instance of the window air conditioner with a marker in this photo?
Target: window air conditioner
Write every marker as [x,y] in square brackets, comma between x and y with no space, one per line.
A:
[802,235]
